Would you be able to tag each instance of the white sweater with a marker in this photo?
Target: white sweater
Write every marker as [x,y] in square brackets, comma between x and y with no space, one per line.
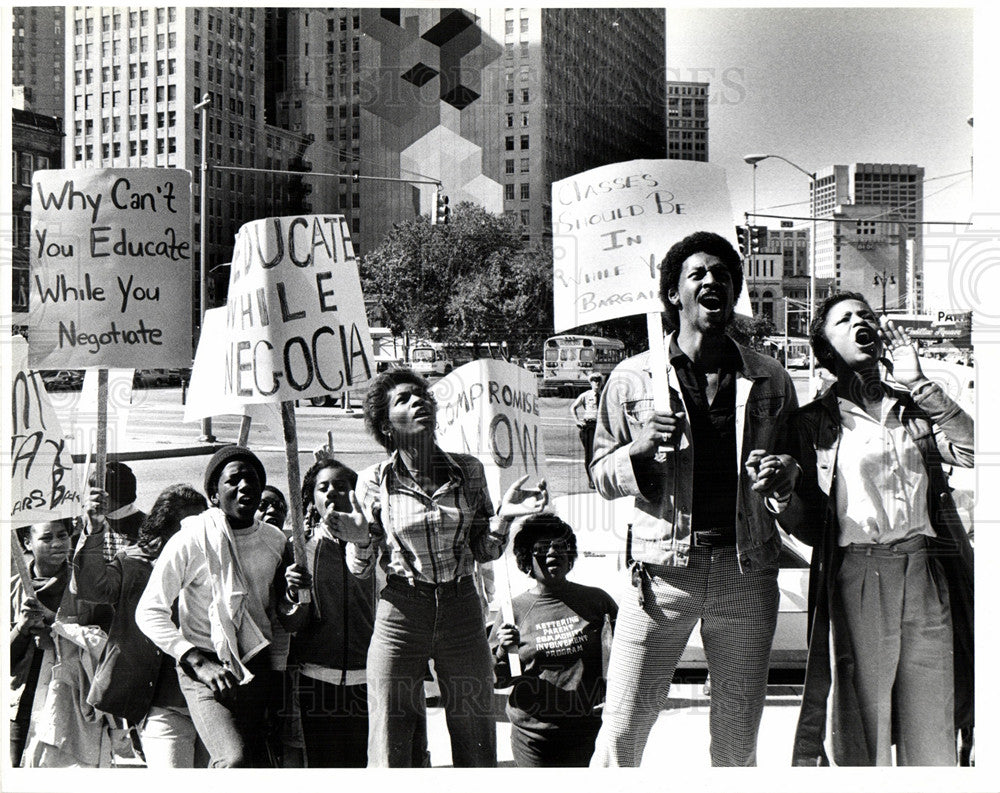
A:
[181,574]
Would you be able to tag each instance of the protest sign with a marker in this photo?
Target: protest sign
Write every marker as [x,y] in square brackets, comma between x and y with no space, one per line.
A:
[206,395]
[612,226]
[111,267]
[295,315]
[489,409]
[43,483]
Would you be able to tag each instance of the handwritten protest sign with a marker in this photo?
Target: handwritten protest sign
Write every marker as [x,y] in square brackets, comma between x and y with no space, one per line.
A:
[111,267]
[612,226]
[295,314]
[43,484]
[206,392]
[489,409]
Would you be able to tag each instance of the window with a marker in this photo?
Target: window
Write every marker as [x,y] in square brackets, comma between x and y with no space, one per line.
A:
[171,40]
[524,119]
[508,192]
[525,217]
[525,191]
[524,49]
[509,166]
[143,147]
[524,141]
[159,16]
[161,40]
[509,143]
[524,164]
[26,163]
[508,27]
[510,119]
[508,50]
[510,96]
[524,25]
[524,94]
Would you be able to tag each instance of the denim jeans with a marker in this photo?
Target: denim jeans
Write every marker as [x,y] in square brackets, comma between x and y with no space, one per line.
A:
[169,739]
[413,625]
[232,725]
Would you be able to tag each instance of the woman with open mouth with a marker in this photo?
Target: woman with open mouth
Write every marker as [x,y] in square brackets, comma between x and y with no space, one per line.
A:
[891,578]
[430,514]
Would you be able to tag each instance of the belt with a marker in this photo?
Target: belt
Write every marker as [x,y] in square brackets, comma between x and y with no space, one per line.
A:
[713,538]
[430,587]
[909,545]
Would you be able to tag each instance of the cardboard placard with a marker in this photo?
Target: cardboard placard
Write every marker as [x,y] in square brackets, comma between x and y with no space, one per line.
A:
[489,409]
[111,267]
[295,315]
[43,482]
[612,226]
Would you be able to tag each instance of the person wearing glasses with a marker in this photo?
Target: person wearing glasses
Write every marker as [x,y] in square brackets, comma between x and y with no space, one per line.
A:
[559,625]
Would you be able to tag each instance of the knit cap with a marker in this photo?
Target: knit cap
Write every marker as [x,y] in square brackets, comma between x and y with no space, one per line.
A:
[223,457]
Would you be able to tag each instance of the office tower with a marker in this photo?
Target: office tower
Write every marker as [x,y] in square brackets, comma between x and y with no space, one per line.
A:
[890,187]
[687,121]
[37,50]
[494,103]
[134,76]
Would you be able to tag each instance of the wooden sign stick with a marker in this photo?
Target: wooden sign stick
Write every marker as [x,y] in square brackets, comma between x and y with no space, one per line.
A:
[502,571]
[101,455]
[658,368]
[294,489]
[244,430]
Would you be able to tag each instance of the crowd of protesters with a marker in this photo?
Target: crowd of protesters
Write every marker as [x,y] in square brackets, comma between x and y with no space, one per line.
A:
[184,635]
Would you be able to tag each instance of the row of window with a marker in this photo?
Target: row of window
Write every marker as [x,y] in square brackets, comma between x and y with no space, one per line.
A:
[509,142]
[508,192]
[24,164]
[524,119]
[525,94]
[508,27]
[109,22]
[508,49]
[509,165]
[235,105]
[331,23]
[135,148]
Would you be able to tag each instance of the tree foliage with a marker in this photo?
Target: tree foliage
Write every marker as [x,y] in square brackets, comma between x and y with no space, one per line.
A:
[471,280]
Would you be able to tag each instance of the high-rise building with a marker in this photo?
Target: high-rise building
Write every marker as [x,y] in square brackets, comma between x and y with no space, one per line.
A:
[893,188]
[38,58]
[493,103]
[133,78]
[869,245]
[36,143]
[687,121]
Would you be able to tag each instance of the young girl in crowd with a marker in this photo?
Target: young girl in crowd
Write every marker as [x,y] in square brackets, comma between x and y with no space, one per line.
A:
[53,644]
[557,634]
[431,513]
[229,574]
[135,680]
[331,650]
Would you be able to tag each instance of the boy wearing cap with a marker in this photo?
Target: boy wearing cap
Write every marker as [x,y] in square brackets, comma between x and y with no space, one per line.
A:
[230,574]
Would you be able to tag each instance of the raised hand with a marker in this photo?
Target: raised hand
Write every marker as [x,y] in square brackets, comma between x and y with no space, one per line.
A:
[519,501]
[903,365]
[347,526]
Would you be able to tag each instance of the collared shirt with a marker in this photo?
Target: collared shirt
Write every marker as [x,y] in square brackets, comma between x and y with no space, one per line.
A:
[713,429]
[880,488]
[431,537]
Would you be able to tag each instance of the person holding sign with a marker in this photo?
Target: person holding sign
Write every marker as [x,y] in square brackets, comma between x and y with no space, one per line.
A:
[589,401]
[230,574]
[558,632]
[432,515]
[702,544]
[890,590]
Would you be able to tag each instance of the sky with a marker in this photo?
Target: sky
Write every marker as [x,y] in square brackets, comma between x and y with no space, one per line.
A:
[825,86]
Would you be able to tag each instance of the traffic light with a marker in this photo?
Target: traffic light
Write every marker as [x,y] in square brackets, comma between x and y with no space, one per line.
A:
[440,211]
[758,238]
[743,237]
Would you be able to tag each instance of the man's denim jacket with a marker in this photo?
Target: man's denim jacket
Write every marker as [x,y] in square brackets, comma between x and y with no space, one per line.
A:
[661,527]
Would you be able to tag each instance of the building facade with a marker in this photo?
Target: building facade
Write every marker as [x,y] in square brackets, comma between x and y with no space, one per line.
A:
[894,187]
[869,256]
[37,144]
[37,59]
[494,104]
[687,121]
[134,76]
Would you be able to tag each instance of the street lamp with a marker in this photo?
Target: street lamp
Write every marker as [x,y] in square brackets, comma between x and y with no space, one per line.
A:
[753,159]
[884,279]
[202,106]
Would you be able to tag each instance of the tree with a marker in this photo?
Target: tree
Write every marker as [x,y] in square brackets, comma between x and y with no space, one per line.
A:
[471,280]
[751,331]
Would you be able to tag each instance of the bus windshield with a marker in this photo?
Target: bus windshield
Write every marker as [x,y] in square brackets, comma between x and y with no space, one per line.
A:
[423,355]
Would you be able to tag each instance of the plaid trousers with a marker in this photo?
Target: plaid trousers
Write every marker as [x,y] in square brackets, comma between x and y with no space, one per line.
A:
[738,611]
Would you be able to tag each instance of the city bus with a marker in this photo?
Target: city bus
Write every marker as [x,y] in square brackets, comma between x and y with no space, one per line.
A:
[569,359]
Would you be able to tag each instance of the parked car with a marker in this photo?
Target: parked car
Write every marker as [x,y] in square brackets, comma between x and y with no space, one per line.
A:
[62,379]
[155,378]
[601,529]
[533,365]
